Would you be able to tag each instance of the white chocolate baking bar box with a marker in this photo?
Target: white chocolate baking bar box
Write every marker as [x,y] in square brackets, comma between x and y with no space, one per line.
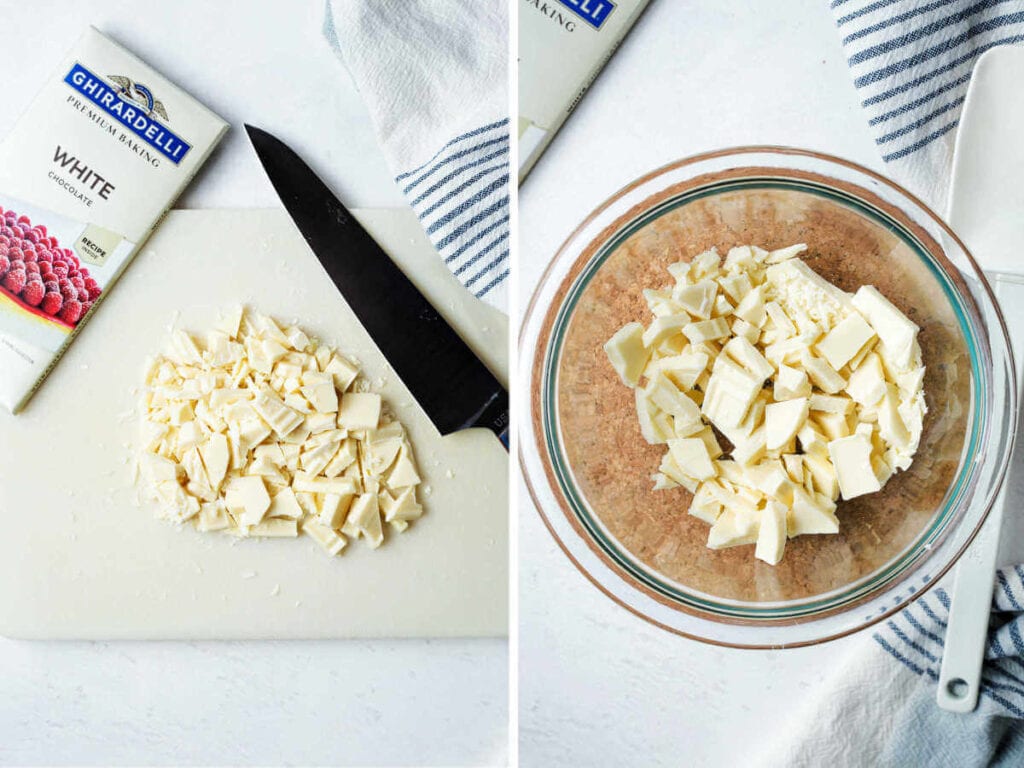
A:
[563,46]
[85,175]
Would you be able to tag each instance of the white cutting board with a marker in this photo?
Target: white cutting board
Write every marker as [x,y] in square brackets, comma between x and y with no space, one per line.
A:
[78,559]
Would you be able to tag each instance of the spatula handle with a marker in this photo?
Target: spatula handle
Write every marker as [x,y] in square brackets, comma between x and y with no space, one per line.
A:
[966,635]
[960,674]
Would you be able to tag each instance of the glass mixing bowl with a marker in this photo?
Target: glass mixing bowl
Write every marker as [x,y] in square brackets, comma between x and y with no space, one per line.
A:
[588,468]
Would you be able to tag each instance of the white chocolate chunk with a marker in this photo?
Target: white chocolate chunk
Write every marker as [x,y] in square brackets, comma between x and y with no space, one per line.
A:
[275,528]
[732,529]
[794,466]
[285,504]
[751,309]
[785,254]
[183,349]
[851,457]
[213,517]
[823,375]
[810,515]
[198,481]
[315,460]
[845,340]
[832,425]
[318,423]
[655,424]
[692,457]
[771,537]
[704,264]
[730,392]
[627,353]
[791,383]
[342,486]
[823,474]
[890,423]
[334,509]
[896,331]
[323,397]
[359,410]
[231,321]
[660,302]
[684,369]
[403,507]
[722,307]
[331,541]
[661,328]
[664,395]
[740,258]
[831,404]
[404,473]
[157,468]
[343,371]
[752,448]
[280,417]
[783,420]
[704,505]
[706,330]
[342,460]
[780,320]
[247,498]
[297,340]
[671,470]
[364,520]
[742,328]
[746,354]
[697,299]
[736,286]
[800,290]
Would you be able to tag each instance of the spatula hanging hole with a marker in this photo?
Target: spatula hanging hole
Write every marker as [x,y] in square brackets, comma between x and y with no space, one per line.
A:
[957,688]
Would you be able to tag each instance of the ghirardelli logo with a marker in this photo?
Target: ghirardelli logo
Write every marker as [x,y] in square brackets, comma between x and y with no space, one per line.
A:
[140,94]
[133,105]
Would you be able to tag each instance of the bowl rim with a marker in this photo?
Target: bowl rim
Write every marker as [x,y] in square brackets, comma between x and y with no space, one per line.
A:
[530,375]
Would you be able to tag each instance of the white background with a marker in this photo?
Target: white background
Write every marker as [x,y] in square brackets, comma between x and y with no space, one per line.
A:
[599,686]
[316,703]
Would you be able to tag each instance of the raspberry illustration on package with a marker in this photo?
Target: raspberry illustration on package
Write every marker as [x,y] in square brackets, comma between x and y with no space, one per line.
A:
[25,249]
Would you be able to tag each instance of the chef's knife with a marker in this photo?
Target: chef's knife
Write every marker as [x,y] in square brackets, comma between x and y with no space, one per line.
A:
[449,382]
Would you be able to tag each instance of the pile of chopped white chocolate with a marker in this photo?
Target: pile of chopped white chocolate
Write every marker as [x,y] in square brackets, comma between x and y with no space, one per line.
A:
[260,431]
[819,391]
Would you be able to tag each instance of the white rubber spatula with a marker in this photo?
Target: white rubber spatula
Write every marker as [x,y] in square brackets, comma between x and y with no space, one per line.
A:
[987,211]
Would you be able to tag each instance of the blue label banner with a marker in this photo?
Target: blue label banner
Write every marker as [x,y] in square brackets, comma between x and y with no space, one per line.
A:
[594,12]
[130,114]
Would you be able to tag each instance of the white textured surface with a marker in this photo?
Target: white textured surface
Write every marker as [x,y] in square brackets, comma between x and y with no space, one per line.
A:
[346,702]
[599,686]
[389,702]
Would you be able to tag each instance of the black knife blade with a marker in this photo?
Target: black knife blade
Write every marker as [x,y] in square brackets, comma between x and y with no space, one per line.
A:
[447,379]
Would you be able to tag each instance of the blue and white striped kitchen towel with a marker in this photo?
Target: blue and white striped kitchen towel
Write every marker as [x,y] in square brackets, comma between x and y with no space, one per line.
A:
[911,61]
[434,76]
[878,708]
